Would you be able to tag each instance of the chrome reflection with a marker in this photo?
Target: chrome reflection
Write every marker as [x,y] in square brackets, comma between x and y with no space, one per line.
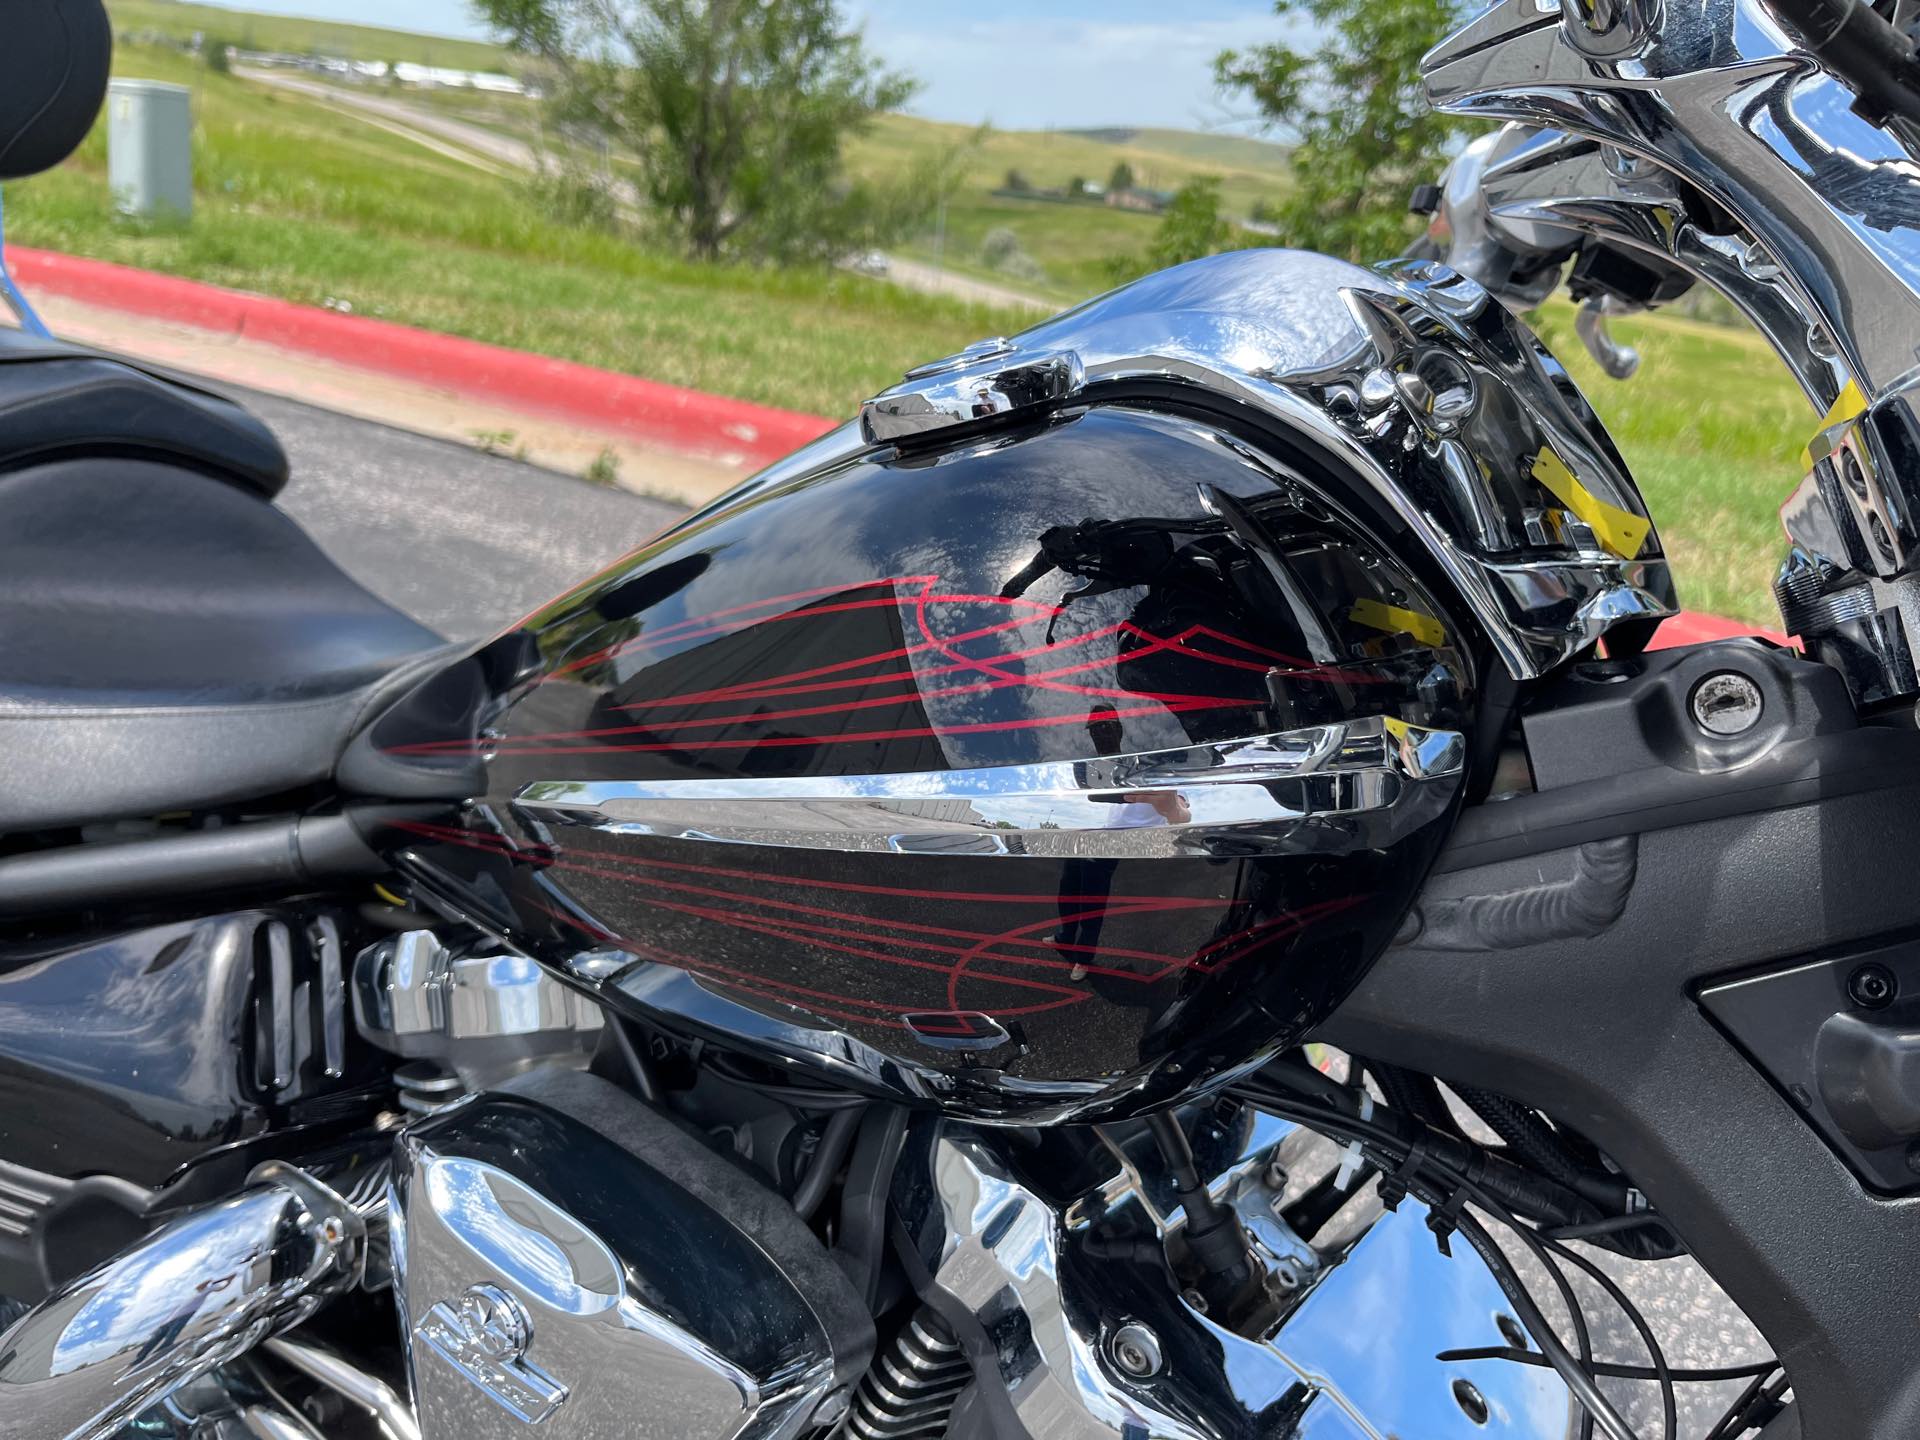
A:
[1352,1354]
[1255,796]
[483,1016]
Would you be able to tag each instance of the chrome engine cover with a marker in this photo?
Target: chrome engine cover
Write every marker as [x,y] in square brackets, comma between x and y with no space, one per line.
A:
[568,1259]
[1068,1309]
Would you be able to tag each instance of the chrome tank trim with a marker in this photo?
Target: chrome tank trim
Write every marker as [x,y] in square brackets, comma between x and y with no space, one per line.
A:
[1410,377]
[1286,793]
[1055,1302]
[198,1292]
[987,379]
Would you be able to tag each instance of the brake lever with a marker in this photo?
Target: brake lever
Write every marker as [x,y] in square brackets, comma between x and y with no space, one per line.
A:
[1590,324]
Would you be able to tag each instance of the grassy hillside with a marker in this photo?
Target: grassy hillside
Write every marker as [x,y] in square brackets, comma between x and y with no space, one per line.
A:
[1071,244]
[296,36]
[1222,152]
[298,200]
[1050,158]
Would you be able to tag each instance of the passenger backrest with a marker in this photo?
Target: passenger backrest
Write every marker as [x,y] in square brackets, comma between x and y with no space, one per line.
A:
[54,56]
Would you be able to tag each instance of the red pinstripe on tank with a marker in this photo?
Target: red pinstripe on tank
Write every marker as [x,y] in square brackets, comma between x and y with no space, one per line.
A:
[992,669]
[644,888]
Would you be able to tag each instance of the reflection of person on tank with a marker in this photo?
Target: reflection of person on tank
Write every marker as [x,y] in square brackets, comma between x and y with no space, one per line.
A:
[1086,882]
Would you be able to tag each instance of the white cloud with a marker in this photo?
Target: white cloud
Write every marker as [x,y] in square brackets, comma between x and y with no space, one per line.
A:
[1036,72]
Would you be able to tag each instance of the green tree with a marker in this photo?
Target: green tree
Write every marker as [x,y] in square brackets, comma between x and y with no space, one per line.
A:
[1122,176]
[1366,133]
[1016,181]
[1191,226]
[735,109]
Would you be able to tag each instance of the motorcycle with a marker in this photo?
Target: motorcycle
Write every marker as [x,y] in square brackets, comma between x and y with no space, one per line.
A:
[1148,885]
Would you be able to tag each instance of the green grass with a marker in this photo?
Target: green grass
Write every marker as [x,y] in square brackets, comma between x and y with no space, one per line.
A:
[1073,244]
[296,200]
[1209,148]
[1050,158]
[294,36]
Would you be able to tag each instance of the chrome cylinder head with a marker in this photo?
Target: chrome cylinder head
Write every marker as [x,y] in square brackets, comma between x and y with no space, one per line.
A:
[193,1295]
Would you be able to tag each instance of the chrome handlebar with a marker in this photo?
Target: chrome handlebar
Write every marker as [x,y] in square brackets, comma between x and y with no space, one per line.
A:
[1653,143]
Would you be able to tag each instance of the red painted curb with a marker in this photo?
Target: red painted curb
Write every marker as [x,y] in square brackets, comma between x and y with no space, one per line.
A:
[644,410]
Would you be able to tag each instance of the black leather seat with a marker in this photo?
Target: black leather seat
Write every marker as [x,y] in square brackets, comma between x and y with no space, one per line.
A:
[169,640]
[60,399]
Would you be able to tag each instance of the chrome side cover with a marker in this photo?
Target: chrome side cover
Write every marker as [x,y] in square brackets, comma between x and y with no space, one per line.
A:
[1410,378]
[483,1016]
[549,1275]
[1287,793]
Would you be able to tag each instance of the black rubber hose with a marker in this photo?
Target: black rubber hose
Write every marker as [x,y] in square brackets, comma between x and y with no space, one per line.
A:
[1213,1234]
[1413,1094]
[1525,1133]
[1871,56]
[828,1156]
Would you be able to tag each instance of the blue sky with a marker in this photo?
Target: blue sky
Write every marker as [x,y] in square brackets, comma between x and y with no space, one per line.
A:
[1021,65]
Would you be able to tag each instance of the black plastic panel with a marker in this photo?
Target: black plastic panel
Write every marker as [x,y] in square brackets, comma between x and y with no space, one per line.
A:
[1603,1032]
[1841,1036]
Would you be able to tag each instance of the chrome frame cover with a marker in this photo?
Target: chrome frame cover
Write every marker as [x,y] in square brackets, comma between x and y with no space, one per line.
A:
[1409,377]
[1349,1359]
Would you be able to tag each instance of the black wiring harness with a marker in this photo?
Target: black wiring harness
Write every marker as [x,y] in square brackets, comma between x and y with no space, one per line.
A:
[1452,1177]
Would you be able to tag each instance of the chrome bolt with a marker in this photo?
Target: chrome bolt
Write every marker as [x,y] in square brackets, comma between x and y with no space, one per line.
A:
[1136,1350]
[834,1404]
[1726,703]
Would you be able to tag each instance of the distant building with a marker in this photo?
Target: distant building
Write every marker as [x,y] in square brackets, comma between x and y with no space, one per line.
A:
[1138,197]
[405,72]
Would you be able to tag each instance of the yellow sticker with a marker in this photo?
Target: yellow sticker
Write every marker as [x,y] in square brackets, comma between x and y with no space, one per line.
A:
[1843,412]
[1378,615]
[1621,531]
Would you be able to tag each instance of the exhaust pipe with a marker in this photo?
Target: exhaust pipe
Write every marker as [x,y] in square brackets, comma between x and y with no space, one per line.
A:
[199,1292]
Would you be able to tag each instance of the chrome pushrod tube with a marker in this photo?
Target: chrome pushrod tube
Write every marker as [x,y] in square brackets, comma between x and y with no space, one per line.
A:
[197,1293]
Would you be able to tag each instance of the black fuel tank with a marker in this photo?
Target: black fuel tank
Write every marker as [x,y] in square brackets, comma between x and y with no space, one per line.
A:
[1046,775]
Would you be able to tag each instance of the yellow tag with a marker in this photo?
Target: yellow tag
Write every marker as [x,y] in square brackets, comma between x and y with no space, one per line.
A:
[1621,531]
[1378,615]
[1848,408]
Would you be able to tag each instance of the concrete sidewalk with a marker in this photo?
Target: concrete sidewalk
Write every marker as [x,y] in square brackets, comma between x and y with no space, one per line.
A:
[541,440]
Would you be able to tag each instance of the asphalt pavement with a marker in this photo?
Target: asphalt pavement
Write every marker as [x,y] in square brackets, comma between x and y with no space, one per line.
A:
[467,543]
[463,541]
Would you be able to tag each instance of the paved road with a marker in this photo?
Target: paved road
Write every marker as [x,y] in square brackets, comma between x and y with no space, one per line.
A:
[416,122]
[468,542]
[934,280]
[462,541]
